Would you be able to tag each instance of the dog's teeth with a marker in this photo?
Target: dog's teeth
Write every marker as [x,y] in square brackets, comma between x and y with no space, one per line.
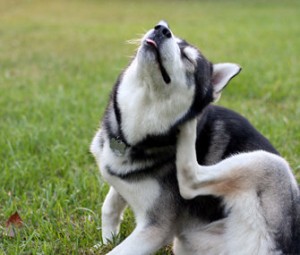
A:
[151,42]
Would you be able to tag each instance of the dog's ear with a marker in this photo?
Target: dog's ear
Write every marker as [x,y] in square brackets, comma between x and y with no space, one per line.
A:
[222,74]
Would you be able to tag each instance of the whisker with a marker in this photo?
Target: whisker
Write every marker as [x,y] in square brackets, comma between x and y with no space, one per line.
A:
[134,41]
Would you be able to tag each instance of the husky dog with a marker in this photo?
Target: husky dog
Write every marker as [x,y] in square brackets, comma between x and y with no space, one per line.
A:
[258,190]
[167,83]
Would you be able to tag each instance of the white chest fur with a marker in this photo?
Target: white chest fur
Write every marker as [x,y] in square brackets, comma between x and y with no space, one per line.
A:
[148,108]
[133,192]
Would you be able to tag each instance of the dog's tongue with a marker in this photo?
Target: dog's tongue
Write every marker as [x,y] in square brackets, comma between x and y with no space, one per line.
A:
[151,42]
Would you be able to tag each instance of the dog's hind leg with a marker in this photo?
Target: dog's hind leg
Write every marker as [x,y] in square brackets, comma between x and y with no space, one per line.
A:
[112,210]
[258,189]
[238,173]
[193,179]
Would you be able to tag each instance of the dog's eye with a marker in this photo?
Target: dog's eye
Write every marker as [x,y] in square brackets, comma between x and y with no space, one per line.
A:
[186,57]
[191,54]
[189,63]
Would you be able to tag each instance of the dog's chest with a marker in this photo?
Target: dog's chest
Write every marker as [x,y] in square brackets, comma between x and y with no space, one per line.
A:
[140,194]
[151,111]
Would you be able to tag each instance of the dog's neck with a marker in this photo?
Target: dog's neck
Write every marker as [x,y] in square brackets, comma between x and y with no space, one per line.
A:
[148,109]
[150,144]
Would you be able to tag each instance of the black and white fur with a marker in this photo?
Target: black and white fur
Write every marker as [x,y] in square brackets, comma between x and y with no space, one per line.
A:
[167,83]
[259,192]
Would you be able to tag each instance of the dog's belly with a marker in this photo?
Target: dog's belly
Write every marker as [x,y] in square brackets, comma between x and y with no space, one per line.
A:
[196,237]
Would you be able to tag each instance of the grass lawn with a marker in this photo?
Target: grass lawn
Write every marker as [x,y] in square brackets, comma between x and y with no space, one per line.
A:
[58,62]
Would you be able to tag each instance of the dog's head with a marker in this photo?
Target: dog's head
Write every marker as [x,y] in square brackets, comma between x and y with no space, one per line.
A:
[168,82]
[165,60]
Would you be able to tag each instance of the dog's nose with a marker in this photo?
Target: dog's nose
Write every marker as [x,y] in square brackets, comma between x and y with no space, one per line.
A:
[163,29]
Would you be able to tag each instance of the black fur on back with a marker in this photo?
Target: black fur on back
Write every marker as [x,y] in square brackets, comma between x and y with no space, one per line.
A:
[243,137]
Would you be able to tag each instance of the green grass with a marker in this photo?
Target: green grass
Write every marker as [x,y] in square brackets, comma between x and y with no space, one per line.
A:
[58,62]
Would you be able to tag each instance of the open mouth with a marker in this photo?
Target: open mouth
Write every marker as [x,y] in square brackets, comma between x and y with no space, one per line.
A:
[162,69]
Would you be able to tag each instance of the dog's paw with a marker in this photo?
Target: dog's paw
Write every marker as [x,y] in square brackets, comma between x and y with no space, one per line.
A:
[96,248]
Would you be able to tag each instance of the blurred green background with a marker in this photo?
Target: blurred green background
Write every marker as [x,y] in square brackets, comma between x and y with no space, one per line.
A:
[58,62]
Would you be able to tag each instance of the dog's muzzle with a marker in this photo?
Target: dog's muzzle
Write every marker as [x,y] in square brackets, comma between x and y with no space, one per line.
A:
[160,34]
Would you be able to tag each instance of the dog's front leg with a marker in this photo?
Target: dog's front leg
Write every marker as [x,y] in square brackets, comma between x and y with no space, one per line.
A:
[112,210]
[144,240]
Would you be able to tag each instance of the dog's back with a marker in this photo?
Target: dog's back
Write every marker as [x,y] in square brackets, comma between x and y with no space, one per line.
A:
[223,132]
